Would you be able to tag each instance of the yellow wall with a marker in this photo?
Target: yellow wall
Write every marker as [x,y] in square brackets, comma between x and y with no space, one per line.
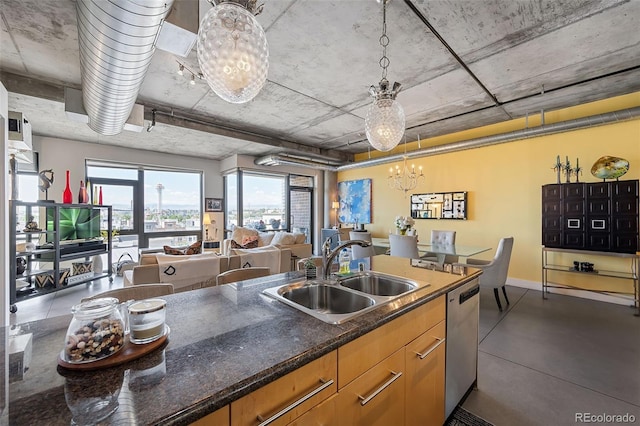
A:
[504,191]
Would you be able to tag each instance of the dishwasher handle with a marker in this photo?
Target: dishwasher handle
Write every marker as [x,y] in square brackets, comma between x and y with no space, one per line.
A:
[469,294]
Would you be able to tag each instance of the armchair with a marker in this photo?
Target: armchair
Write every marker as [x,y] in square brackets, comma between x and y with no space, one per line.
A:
[494,272]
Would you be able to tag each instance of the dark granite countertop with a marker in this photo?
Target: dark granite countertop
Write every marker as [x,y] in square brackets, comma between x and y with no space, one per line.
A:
[224,342]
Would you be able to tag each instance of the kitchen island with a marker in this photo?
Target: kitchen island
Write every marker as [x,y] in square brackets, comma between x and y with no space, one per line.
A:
[225,343]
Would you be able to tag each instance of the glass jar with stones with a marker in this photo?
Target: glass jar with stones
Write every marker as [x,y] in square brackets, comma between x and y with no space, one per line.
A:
[95,332]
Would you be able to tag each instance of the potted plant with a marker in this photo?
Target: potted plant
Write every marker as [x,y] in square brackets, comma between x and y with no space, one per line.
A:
[310,269]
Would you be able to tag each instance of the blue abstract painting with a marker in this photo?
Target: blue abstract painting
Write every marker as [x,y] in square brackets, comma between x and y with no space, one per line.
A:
[355,201]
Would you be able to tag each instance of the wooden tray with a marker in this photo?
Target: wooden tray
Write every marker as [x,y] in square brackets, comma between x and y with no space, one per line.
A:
[129,352]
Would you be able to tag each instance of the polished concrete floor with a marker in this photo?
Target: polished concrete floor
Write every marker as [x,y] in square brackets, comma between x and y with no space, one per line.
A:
[544,362]
[541,362]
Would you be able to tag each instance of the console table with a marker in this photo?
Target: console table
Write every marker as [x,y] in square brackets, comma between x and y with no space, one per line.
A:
[632,273]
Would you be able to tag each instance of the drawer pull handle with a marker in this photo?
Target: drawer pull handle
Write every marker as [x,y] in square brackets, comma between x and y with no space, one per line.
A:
[325,384]
[395,377]
[433,347]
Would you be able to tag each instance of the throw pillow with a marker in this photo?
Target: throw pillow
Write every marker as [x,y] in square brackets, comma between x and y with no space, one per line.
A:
[239,233]
[247,243]
[195,248]
[265,238]
[300,238]
[283,238]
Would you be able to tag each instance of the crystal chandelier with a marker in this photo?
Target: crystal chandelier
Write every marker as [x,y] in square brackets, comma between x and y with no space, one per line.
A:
[384,121]
[232,50]
[405,178]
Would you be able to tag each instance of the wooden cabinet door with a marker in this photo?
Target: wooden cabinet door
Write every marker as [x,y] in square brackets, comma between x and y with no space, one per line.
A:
[290,396]
[425,362]
[361,354]
[377,398]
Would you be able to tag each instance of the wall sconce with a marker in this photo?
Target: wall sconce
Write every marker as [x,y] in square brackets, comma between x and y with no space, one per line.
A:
[336,205]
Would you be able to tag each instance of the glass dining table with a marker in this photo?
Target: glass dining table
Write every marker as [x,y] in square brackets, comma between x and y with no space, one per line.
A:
[439,250]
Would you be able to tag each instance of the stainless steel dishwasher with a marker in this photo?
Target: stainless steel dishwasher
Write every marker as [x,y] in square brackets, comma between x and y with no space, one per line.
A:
[461,368]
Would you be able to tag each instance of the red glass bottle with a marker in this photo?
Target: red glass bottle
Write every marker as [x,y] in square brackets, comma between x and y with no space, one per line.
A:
[83,197]
[67,196]
[100,197]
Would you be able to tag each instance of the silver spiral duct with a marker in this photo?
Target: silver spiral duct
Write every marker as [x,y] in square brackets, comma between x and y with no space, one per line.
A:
[117,41]
[547,129]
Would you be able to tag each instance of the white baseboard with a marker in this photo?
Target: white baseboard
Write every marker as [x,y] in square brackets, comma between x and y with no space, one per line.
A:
[533,285]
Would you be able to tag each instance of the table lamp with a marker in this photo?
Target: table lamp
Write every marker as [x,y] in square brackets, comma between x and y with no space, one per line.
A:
[206,221]
[336,205]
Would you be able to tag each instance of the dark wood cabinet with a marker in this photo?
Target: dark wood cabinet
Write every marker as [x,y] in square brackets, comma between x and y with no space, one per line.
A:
[600,216]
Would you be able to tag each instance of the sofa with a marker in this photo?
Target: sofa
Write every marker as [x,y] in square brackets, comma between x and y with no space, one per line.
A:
[201,270]
[243,238]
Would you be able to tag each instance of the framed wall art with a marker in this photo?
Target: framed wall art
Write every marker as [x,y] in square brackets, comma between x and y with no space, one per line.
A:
[354,197]
[439,205]
[213,204]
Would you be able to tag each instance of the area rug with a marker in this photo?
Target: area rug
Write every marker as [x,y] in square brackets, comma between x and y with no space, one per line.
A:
[461,417]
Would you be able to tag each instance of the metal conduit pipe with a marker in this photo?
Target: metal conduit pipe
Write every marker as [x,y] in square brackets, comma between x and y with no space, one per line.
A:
[564,126]
[117,41]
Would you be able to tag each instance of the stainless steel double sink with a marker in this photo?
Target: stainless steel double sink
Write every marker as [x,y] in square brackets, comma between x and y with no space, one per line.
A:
[339,300]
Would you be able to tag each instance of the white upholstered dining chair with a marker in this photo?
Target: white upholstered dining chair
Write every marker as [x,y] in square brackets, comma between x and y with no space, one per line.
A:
[494,272]
[358,252]
[442,238]
[403,246]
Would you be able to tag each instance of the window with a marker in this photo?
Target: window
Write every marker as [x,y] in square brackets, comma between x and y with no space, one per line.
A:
[152,207]
[269,201]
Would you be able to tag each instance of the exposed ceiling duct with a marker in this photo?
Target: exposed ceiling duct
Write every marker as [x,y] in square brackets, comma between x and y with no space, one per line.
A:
[563,126]
[116,40]
[284,159]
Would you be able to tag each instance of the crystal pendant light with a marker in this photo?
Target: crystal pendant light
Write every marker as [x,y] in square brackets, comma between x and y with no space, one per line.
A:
[232,50]
[384,121]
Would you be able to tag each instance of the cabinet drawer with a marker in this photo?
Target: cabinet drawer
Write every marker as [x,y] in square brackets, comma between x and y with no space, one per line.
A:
[425,377]
[275,397]
[376,397]
[551,192]
[625,206]
[573,190]
[361,354]
[599,190]
[574,240]
[574,206]
[625,188]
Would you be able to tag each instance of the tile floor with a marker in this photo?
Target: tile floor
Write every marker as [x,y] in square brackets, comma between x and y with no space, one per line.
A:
[540,362]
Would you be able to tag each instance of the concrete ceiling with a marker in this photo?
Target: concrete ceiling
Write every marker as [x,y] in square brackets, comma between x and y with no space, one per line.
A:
[462,64]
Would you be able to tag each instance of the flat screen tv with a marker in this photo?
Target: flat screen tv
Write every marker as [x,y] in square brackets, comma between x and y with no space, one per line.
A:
[76,224]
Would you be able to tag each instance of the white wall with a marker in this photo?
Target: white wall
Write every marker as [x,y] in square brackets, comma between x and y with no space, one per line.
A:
[61,155]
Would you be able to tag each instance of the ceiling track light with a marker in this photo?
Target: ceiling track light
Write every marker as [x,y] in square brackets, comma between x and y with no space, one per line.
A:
[384,121]
[232,50]
[194,75]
